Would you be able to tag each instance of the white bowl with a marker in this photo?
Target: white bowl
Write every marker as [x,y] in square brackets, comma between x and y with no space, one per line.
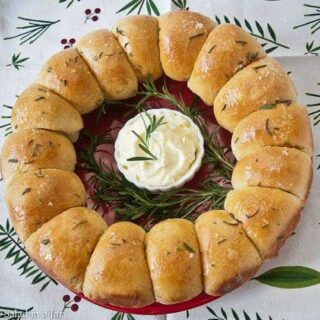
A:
[189,174]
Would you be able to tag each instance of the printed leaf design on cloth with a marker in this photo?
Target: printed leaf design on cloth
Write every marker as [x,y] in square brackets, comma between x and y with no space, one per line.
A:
[232,315]
[15,252]
[33,30]
[138,5]
[181,4]
[291,277]
[13,313]
[70,2]
[267,36]
[121,316]
[17,61]
[311,49]
[7,126]
[315,114]
[313,17]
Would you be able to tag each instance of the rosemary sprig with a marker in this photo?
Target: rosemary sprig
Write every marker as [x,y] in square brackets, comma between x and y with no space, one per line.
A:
[131,203]
[214,154]
[153,125]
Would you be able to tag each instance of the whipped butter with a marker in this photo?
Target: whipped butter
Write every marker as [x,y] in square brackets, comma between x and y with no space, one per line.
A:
[176,147]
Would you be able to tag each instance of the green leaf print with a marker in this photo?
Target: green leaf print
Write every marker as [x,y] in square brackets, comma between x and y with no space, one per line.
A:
[313,18]
[232,315]
[291,277]
[267,36]
[122,316]
[69,2]
[32,31]
[313,49]
[137,5]
[16,253]
[315,113]
[181,4]
[17,61]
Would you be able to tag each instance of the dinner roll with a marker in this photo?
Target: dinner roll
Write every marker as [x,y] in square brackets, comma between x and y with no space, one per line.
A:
[139,38]
[174,261]
[269,216]
[67,74]
[227,50]
[181,36]
[109,64]
[118,272]
[259,84]
[228,256]
[284,168]
[27,150]
[39,108]
[282,125]
[37,196]
[62,247]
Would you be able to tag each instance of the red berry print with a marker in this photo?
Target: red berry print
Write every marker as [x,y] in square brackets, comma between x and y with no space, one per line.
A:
[74,307]
[92,14]
[70,304]
[68,43]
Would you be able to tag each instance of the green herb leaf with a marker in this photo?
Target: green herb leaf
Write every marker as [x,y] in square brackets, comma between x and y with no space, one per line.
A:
[139,159]
[290,277]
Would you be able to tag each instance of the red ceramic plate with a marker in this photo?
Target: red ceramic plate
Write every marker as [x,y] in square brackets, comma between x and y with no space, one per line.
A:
[158,308]
[111,122]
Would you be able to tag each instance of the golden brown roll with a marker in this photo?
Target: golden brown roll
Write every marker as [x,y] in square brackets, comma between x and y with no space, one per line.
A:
[282,168]
[139,38]
[174,261]
[269,216]
[67,74]
[118,272]
[228,257]
[109,64]
[62,247]
[259,84]
[37,196]
[32,149]
[39,108]
[283,126]
[227,50]
[181,36]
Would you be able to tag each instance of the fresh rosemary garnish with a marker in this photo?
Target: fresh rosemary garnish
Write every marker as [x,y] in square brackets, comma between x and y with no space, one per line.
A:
[153,125]
[130,202]
[214,153]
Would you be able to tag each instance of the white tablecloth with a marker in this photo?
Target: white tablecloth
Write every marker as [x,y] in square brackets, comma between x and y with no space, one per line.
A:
[290,29]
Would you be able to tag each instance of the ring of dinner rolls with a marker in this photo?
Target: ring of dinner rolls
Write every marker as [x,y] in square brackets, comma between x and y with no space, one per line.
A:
[122,265]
